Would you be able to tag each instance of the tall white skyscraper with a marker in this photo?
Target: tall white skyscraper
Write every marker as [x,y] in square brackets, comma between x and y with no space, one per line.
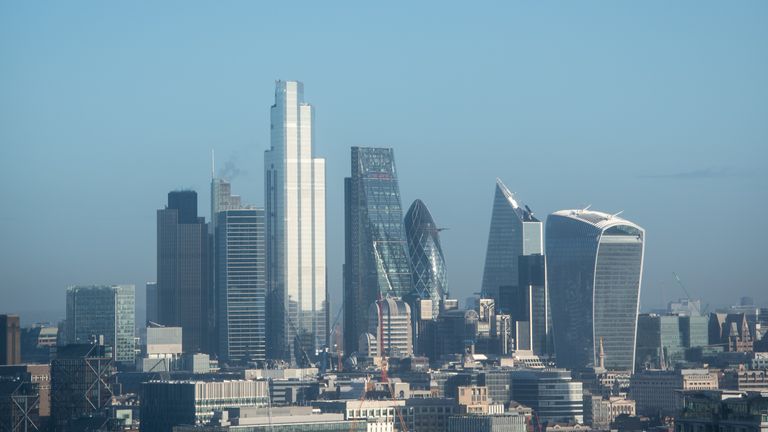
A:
[295,219]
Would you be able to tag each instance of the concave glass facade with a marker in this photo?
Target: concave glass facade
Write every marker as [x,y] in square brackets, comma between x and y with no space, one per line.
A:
[595,263]
[428,270]
[376,255]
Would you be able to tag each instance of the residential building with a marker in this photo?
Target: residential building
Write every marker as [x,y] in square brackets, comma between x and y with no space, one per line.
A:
[10,340]
[185,297]
[594,269]
[376,263]
[103,311]
[294,193]
[428,269]
[241,285]
[165,404]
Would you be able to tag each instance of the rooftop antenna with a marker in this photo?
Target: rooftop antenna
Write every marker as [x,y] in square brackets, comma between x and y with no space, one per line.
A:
[213,166]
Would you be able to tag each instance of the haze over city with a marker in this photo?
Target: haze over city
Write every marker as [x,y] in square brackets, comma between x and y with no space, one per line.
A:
[656,109]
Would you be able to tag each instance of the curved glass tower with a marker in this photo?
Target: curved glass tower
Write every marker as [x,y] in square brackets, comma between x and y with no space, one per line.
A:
[595,265]
[376,256]
[514,232]
[428,270]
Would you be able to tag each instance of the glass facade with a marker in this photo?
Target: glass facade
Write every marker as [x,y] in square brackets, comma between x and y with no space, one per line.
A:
[241,285]
[514,232]
[376,250]
[108,311]
[428,270]
[295,221]
[595,263]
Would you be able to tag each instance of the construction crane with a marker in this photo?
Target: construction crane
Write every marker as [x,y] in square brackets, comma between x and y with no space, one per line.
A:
[685,290]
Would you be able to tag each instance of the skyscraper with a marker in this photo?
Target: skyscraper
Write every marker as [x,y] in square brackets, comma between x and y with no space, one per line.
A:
[241,284]
[185,297]
[376,256]
[595,265]
[428,270]
[514,232]
[108,311]
[10,340]
[151,302]
[295,221]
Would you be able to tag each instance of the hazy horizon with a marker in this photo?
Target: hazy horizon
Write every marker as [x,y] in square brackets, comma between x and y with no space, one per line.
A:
[655,109]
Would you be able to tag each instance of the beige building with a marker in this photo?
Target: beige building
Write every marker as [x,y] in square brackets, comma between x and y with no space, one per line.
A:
[657,392]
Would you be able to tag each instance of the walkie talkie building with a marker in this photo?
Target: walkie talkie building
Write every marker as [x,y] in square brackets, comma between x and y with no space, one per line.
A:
[595,266]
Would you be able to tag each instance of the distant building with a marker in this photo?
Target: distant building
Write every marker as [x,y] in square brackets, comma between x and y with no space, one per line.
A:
[163,350]
[376,263]
[390,324]
[81,383]
[151,302]
[509,422]
[657,393]
[745,380]
[10,340]
[185,297]
[723,411]
[25,397]
[731,331]
[600,412]
[294,208]
[428,269]
[241,285]
[108,311]
[165,404]
[594,268]
[514,232]
[667,338]
[689,307]
[38,343]
[552,393]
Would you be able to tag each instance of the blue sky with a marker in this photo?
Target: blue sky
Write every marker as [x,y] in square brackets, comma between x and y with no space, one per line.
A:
[656,108]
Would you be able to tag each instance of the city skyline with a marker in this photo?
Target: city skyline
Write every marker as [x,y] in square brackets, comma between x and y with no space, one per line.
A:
[702,144]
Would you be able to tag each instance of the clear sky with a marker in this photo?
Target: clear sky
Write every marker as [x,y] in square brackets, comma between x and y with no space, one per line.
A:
[656,108]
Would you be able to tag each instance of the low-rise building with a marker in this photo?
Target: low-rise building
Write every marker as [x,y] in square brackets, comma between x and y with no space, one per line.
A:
[656,392]
[509,422]
[723,411]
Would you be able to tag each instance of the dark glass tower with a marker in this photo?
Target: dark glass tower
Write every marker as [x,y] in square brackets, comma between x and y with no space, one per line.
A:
[595,264]
[185,297]
[428,270]
[376,257]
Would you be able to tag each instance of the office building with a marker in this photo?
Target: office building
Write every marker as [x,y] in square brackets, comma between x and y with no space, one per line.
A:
[151,302]
[391,327]
[594,269]
[25,397]
[552,393]
[241,285]
[38,343]
[284,419]
[657,392]
[508,422]
[663,340]
[428,270]
[108,311]
[514,232]
[600,412]
[723,411]
[165,404]
[530,309]
[163,350]
[81,383]
[294,191]
[10,340]
[185,297]
[376,251]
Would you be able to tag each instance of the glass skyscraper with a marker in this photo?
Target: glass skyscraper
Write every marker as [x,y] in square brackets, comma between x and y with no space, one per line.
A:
[514,232]
[295,225]
[595,265]
[428,270]
[241,284]
[108,311]
[376,251]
